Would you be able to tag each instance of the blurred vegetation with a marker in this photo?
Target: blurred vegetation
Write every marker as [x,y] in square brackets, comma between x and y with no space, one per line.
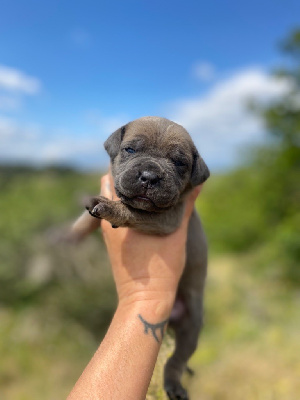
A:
[56,301]
[256,207]
[35,271]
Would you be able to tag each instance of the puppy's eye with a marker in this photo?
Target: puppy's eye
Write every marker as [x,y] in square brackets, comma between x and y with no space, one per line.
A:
[178,163]
[129,150]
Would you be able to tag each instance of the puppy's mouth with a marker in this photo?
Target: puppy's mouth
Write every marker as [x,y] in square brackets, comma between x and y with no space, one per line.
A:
[140,201]
[143,198]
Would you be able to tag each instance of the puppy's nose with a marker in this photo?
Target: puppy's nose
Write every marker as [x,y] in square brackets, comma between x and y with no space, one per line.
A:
[148,178]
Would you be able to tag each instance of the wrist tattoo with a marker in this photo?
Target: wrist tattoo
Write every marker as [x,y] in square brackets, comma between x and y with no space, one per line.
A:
[153,327]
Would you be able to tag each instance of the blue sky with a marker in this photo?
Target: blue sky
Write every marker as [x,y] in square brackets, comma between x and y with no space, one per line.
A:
[72,71]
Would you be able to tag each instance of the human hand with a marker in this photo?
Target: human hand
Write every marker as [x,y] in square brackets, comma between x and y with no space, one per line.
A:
[146,267]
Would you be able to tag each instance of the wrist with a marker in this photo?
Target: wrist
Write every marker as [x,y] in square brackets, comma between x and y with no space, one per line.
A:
[155,309]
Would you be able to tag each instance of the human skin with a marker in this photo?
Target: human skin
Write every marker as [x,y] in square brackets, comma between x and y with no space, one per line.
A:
[146,270]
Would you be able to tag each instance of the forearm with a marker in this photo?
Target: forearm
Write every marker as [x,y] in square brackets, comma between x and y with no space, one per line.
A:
[126,355]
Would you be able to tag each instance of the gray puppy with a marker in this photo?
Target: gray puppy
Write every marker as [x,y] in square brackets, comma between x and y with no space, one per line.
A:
[154,166]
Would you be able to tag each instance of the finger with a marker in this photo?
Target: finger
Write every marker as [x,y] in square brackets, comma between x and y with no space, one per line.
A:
[112,186]
[190,202]
[195,193]
[108,188]
[105,187]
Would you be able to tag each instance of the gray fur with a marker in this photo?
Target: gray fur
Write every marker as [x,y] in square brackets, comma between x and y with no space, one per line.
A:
[152,183]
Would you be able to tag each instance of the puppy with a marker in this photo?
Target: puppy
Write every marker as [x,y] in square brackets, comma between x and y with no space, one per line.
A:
[154,164]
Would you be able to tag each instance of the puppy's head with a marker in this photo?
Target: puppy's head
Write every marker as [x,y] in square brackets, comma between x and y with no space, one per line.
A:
[154,162]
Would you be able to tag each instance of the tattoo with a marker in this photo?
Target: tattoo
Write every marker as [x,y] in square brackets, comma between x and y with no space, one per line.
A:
[154,327]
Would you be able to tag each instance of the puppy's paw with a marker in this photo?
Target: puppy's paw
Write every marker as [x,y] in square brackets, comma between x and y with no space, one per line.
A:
[99,207]
[175,391]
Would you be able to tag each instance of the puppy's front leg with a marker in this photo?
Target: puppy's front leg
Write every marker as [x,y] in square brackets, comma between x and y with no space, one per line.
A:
[113,211]
[119,214]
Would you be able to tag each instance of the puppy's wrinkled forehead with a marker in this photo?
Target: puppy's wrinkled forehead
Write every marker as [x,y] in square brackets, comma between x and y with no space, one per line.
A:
[158,133]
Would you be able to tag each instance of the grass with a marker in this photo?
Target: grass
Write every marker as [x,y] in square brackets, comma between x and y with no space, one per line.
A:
[249,348]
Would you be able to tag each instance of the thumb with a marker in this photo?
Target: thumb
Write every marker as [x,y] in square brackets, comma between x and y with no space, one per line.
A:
[190,203]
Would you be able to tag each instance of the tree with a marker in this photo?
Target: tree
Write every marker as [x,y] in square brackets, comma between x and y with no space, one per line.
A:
[279,166]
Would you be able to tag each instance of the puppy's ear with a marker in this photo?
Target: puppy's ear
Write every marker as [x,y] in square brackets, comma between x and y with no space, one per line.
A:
[113,143]
[200,171]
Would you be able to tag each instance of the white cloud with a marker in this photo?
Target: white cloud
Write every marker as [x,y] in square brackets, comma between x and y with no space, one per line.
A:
[220,121]
[41,149]
[27,142]
[11,131]
[7,128]
[204,71]
[8,102]
[14,80]
[106,124]
[32,144]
